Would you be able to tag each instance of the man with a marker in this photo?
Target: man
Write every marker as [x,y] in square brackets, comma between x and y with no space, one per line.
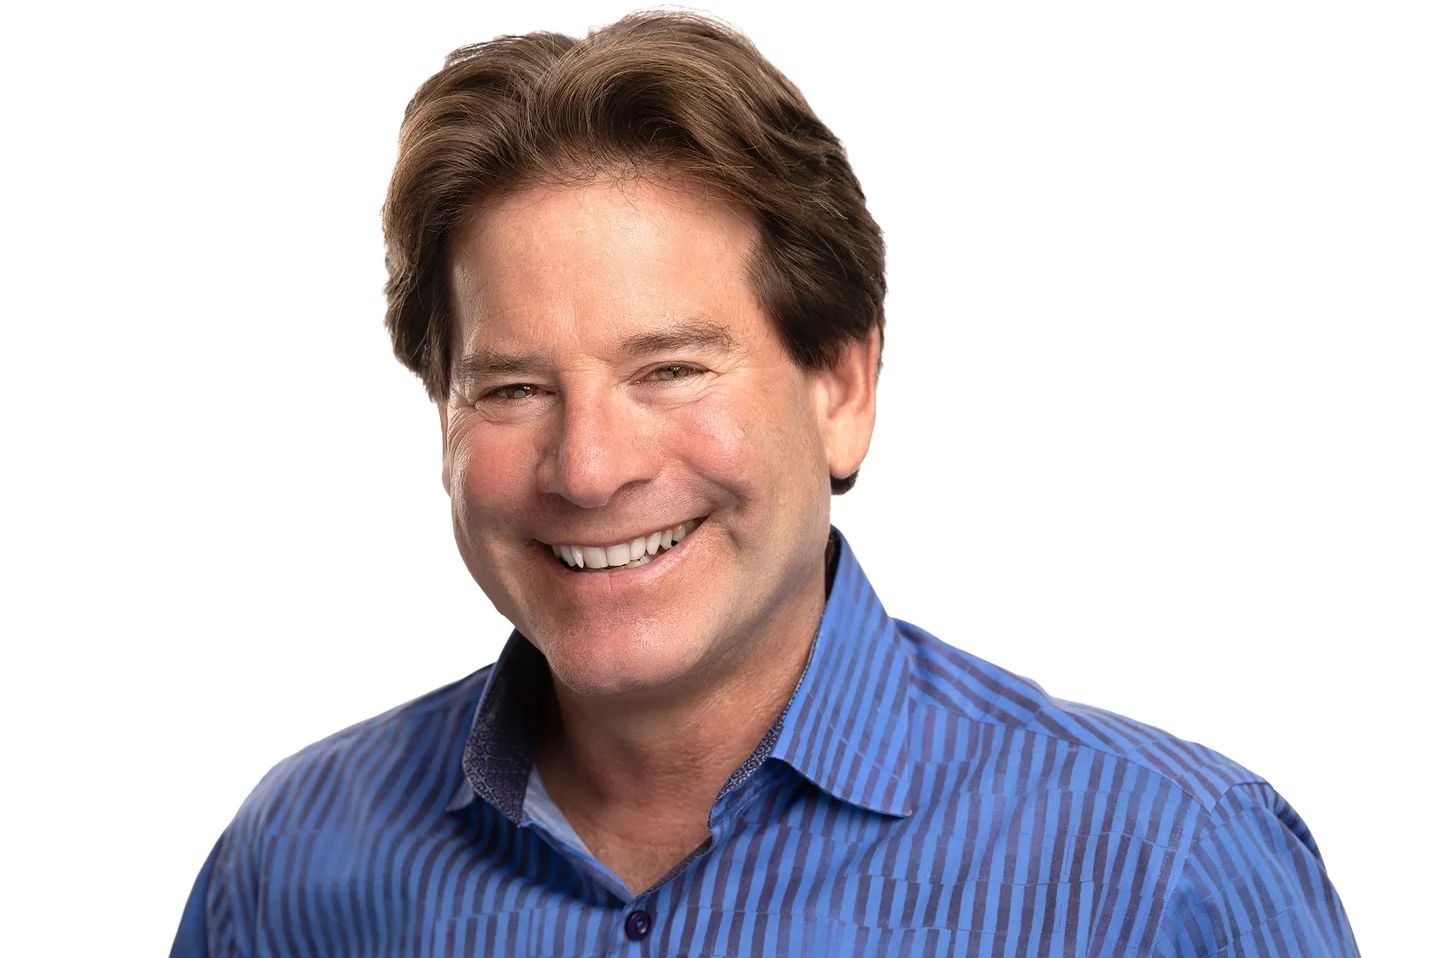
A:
[638,278]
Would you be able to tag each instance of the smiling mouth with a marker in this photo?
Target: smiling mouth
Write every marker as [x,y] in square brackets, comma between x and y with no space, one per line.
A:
[625,555]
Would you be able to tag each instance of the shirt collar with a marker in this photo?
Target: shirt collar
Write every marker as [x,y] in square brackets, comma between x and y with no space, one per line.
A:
[845,728]
[499,750]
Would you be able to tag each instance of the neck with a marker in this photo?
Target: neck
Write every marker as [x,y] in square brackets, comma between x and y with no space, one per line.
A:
[661,761]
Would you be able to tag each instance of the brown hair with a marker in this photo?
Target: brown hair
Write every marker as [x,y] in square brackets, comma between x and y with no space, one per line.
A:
[673,93]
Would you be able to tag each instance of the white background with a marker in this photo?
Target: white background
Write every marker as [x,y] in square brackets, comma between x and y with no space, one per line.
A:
[1158,420]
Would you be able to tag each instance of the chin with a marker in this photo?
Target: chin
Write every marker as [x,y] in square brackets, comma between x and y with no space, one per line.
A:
[637,661]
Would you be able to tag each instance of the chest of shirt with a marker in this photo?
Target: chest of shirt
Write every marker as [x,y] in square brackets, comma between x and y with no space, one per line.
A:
[790,871]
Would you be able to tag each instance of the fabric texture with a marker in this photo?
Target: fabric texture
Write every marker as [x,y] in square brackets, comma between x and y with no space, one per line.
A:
[911,799]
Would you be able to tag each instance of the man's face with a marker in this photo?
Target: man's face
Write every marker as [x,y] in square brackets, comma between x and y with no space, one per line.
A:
[615,378]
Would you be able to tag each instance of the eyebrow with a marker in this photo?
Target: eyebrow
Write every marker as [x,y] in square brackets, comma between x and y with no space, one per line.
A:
[697,334]
[485,362]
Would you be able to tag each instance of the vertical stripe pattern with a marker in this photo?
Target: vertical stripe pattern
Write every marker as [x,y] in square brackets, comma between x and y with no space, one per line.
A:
[911,799]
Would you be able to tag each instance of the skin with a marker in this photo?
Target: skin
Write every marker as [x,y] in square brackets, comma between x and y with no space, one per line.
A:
[642,385]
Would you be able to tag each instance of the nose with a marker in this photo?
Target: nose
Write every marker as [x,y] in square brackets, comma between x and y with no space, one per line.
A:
[597,449]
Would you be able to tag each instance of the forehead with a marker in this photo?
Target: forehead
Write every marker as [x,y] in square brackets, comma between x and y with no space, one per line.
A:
[612,253]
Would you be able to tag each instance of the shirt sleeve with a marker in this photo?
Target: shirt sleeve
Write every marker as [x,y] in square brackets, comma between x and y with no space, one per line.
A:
[219,917]
[1254,883]
[193,940]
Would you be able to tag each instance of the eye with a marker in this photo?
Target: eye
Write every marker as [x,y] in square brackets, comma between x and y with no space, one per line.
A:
[511,392]
[673,371]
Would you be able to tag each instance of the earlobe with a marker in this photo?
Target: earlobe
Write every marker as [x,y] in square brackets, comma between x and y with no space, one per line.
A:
[444,446]
[848,416]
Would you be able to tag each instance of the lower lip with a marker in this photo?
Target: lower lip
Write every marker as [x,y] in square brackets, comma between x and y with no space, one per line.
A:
[610,580]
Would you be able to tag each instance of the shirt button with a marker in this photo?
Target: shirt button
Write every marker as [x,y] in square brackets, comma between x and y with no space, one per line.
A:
[638,924]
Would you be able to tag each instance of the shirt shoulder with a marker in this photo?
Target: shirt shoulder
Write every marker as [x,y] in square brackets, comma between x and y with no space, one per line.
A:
[955,685]
[369,772]
[1198,851]
[335,794]
[1254,882]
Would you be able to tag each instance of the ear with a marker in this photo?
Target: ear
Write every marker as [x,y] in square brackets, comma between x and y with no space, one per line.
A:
[444,445]
[845,400]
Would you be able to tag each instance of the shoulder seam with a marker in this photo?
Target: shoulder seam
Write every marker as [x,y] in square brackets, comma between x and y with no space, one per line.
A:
[1183,863]
[418,706]
[1128,755]
[1125,756]
[259,805]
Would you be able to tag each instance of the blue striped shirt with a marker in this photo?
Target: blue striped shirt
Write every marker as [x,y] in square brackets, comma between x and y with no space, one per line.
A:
[911,799]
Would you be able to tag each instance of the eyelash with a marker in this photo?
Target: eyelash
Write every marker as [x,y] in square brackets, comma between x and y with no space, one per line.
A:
[498,394]
[675,370]
[671,367]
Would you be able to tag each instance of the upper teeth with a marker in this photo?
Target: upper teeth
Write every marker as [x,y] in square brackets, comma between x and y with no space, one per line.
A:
[636,551]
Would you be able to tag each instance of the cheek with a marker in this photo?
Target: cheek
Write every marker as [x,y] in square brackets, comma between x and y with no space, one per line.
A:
[713,439]
[494,469]
[759,439]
